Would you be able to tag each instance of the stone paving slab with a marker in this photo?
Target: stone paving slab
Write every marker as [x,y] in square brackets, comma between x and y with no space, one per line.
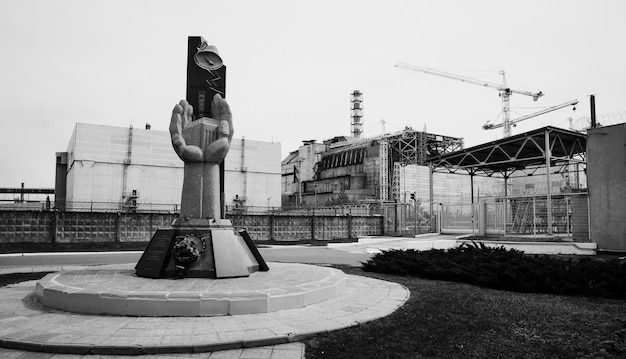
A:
[26,325]
[282,351]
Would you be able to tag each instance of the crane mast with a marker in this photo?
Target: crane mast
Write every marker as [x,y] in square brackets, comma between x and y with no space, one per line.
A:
[504,90]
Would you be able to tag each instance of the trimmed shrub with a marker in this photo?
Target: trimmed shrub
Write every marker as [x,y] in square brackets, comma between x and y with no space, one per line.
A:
[507,269]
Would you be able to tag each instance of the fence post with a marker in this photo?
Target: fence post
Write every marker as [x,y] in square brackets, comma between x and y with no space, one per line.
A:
[271,226]
[439,218]
[118,227]
[395,219]
[150,230]
[349,225]
[313,226]
[53,226]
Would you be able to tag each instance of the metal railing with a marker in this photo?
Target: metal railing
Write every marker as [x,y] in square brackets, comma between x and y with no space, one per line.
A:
[520,216]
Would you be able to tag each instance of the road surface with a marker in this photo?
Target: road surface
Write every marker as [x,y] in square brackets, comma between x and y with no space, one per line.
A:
[295,254]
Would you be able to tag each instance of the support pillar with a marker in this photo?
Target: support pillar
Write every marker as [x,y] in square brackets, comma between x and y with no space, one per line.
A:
[548,155]
[472,202]
[431,168]
[506,202]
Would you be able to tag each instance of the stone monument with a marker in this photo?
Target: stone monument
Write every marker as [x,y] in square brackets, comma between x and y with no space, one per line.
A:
[201,243]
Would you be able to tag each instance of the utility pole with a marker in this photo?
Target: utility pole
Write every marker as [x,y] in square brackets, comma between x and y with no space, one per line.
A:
[592,103]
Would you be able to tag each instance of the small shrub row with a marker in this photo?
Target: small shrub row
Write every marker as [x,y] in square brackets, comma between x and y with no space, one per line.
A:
[507,269]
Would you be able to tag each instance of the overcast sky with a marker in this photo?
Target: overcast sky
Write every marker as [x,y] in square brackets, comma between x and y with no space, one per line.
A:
[293,64]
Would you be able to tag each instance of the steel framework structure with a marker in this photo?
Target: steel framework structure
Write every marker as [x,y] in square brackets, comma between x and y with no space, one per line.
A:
[415,147]
[551,148]
[407,146]
[522,154]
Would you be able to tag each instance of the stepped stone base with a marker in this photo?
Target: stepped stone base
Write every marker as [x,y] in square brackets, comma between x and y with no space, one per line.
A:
[120,292]
[223,253]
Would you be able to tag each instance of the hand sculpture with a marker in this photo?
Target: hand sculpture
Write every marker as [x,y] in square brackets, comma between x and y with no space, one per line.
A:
[213,152]
[202,144]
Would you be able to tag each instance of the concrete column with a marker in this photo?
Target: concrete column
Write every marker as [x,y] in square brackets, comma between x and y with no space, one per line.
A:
[201,191]
[191,201]
[211,203]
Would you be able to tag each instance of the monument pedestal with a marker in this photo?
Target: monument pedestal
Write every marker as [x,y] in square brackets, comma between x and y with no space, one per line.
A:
[222,253]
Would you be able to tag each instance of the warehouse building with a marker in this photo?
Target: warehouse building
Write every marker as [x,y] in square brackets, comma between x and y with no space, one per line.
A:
[133,169]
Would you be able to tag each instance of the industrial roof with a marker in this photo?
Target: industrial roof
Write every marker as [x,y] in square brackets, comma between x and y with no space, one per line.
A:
[291,158]
[524,153]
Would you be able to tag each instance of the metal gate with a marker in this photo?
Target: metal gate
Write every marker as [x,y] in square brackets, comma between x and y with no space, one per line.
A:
[520,216]
[408,219]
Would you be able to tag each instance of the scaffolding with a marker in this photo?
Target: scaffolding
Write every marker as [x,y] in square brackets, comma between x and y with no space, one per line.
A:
[384,171]
[415,147]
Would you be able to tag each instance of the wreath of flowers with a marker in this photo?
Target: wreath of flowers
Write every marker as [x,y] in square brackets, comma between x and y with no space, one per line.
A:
[188,249]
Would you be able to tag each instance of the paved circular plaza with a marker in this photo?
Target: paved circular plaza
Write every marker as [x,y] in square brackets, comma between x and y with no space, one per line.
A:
[26,324]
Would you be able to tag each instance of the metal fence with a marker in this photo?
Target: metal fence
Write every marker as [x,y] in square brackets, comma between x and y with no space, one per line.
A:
[520,216]
[408,219]
[457,218]
[85,206]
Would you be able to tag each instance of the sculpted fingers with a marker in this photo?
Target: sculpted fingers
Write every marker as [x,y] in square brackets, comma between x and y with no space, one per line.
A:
[192,154]
[176,132]
[176,122]
[187,113]
[220,110]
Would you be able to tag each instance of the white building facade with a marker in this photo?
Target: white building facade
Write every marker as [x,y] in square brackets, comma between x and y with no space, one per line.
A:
[117,168]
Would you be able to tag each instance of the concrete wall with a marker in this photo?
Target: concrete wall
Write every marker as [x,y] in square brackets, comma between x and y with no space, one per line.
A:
[303,228]
[447,187]
[253,173]
[606,176]
[561,179]
[114,227]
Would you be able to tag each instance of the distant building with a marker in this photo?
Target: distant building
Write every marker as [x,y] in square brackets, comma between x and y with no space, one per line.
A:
[131,169]
[392,168]
[24,198]
[349,169]
[447,188]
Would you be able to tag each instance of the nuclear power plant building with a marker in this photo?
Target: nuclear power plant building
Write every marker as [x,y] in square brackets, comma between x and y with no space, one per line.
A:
[109,168]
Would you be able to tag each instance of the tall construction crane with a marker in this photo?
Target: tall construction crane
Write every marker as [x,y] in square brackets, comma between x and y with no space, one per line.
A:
[504,90]
[489,126]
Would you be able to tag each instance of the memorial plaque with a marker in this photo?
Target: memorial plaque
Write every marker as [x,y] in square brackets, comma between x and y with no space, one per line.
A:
[157,253]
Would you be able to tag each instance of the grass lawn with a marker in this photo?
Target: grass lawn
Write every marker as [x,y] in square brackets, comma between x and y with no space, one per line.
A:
[453,320]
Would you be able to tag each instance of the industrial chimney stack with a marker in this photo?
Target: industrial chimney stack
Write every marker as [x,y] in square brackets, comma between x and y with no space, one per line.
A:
[356,111]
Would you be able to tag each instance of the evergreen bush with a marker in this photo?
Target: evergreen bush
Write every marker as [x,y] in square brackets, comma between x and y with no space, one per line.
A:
[507,269]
